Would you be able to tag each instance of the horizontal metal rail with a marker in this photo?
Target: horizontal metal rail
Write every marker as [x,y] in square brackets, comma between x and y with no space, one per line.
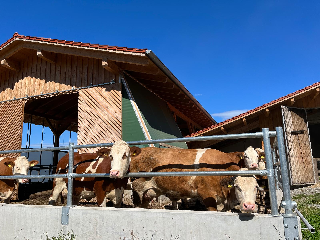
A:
[145,142]
[265,135]
[145,174]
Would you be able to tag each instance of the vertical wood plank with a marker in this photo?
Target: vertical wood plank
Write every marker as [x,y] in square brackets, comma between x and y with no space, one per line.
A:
[58,73]
[43,75]
[90,71]
[79,72]
[63,72]
[85,73]
[68,71]
[101,72]
[74,64]
[53,76]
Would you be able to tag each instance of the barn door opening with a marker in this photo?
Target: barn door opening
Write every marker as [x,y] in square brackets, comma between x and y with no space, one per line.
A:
[298,145]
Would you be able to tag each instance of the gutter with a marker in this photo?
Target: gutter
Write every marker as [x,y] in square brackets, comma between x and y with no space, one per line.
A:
[170,75]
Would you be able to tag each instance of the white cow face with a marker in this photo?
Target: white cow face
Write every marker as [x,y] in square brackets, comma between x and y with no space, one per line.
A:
[20,166]
[251,157]
[120,159]
[246,193]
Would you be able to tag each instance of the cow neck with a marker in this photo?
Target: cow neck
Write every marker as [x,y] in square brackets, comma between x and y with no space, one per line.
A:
[85,161]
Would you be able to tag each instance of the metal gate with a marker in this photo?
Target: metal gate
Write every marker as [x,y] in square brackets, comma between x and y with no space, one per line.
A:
[298,146]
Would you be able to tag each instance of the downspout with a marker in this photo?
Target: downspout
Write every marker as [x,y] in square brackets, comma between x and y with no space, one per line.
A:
[170,75]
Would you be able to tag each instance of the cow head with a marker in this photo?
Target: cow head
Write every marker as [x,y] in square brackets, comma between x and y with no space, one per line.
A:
[20,166]
[102,152]
[252,157]
[246,193]
[120,155]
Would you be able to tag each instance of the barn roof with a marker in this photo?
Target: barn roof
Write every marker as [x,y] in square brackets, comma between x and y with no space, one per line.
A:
[239,118]
[71,43]
[141,65]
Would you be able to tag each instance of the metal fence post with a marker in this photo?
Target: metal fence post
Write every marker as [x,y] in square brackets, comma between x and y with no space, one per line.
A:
[65,210]
[290,220]
[271,175]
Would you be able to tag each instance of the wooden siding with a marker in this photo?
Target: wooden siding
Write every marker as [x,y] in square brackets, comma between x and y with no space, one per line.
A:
[298,146]
[38,76]
[11,122]
[99,115]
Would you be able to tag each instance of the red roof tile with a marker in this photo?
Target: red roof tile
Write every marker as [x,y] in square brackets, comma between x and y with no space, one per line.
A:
[71,43]
[257,109]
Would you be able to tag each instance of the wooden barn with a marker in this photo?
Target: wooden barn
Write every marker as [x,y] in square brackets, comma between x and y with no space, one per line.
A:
[299,115]
[103,93]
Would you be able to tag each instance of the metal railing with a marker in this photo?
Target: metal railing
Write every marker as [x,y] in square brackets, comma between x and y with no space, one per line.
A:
[288,204]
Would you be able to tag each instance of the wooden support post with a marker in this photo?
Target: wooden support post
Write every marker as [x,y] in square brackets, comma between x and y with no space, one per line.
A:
[57,130]
[56,152]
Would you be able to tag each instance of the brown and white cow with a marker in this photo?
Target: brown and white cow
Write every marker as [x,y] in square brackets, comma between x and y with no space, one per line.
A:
[88,188]
[13,166]
[216,192]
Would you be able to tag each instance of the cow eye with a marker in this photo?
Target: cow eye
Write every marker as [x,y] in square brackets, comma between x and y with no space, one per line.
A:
[240,190]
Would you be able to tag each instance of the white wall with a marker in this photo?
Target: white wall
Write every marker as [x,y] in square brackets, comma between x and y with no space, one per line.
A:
[38,222]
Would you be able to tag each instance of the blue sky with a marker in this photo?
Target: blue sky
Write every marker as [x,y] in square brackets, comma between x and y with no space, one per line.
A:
[232,56]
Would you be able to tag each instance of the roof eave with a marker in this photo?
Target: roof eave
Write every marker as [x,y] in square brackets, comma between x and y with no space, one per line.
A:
[170,75]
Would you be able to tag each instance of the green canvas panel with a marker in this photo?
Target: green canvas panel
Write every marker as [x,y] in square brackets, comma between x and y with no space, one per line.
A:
[131,130]
[156,114]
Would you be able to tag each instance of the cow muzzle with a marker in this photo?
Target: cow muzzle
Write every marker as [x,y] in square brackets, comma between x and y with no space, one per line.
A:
[115,174]
[253,166]
[24,180]
[248,207]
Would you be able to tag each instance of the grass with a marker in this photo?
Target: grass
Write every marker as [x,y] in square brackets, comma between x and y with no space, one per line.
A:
[62,236]
[307,206]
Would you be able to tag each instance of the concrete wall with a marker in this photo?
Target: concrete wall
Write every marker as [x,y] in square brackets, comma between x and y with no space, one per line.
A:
[37,222]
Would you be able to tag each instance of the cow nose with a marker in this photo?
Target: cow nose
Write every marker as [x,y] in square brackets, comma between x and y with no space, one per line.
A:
[24,180]
[249,206]
[114,173]
[253,165]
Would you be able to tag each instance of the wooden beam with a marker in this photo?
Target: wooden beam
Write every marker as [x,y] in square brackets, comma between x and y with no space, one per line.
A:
[291,101]
[9,64]
[110,66]
[181,115]
[267,112]
[156,78]
[127,57]
[149,69]
[244,120]
[223,130]
[316,93]
[47,56]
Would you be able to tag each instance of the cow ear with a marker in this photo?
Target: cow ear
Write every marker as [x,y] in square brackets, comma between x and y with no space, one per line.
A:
[227,182]
[103,152]
[33,163]
[260,151]
[10,164]
[135,151]
[240,155]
